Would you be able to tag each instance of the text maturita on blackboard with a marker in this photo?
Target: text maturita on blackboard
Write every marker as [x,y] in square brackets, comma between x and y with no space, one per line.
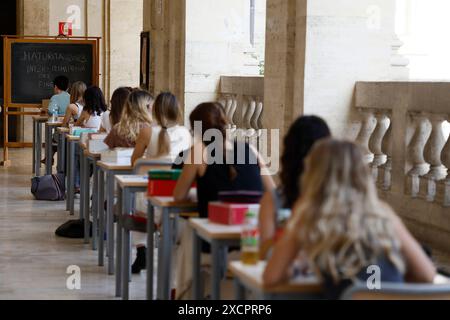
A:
[30,56]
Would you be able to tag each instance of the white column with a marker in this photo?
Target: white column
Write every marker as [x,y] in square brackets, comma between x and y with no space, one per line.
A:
[369,123]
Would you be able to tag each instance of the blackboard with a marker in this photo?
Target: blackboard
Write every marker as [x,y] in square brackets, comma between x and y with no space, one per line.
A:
[35,65]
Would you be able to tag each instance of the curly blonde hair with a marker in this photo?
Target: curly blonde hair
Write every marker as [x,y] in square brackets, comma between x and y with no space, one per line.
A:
[341,223]
[135,114]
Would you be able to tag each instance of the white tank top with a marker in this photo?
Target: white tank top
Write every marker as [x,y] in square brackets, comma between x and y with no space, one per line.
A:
[180,140]
[80,109]
[94,122]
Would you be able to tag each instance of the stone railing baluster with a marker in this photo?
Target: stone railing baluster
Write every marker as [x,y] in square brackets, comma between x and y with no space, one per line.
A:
[433,150]
[416,151]
[376,142]
[369,123]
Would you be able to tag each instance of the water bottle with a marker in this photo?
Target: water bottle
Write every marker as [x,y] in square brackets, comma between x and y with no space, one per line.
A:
[250,239]
[54,114]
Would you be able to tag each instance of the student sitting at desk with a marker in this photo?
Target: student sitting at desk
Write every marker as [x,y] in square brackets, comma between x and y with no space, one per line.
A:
[76,106]
[342,227]
[91,116]
[276,204]
[164,141]
[58,102]
[95,106]
[61,98]
[112,117]
[136,116]
[214,175]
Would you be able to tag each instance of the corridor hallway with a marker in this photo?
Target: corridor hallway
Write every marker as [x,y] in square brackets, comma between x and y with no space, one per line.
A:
[33,261]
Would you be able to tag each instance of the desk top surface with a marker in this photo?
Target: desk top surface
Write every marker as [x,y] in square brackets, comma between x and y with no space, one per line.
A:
[169,202]
[252,276]
[115,166]
[40,118]
[54,124]
[215,231]
[132,181]
[96,156]
[63,130]
[73,138]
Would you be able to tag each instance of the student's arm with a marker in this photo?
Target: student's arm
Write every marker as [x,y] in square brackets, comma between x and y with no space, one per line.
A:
[83,117]
[187,178]
[101,130]
[70,112]
[267,226]
[284,254]
[110,139]
[142,143]
[419,268]
[267,180]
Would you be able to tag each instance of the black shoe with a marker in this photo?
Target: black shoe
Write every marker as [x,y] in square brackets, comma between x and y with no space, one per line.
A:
[139,264]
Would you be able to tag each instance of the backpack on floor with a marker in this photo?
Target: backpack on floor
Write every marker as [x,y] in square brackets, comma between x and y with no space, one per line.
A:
[49,188]
[73,229]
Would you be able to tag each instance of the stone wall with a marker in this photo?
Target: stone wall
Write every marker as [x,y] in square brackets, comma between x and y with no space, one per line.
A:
[317,50]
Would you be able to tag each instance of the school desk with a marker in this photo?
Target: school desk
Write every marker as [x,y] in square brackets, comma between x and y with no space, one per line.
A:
[108,170]
[72,142]
[49,129]
[220,237]
[170,211]
[249,278]
[37,143]
[128,186]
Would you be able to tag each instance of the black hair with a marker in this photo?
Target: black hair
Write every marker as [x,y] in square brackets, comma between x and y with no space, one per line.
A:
[61,82]
[302,136]
[94,101]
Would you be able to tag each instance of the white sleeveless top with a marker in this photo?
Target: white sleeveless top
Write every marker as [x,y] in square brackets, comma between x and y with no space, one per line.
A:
[94,122]
[106,121]
[80,109]
[180,140]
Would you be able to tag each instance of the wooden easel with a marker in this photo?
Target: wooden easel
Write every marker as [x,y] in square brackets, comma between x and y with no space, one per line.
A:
[11,108]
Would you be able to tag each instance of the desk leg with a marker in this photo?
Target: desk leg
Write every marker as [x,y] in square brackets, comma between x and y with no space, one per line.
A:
[66,147]
[71,178]
[34,146]
[48,150]
[239,290]
[126,253]
[216,275]
[58,148]
[110,220]
[165,257]
[196,276]
[86,203]
[101,218]
[150,248]
[38,149]
[119,234]
[95,207]
[82,186]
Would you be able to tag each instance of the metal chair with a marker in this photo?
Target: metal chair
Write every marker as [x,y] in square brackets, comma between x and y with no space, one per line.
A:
[396,291]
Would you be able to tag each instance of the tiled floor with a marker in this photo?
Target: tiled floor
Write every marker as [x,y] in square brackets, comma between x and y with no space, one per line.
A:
[33,261]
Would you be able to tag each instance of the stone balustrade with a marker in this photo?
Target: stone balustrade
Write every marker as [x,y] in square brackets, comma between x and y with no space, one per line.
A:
[405,128]
[242,98]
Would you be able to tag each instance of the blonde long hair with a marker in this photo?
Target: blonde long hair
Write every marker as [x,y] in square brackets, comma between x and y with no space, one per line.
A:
[341,224]
[167,112]
[77,91]
[135,114]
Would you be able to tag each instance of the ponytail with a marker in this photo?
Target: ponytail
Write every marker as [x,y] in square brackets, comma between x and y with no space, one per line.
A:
[163,143]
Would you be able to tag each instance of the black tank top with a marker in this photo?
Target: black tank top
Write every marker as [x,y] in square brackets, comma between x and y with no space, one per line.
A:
[217,177]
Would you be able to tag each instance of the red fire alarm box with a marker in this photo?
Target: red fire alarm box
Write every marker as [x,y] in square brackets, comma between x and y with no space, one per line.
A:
[65,28]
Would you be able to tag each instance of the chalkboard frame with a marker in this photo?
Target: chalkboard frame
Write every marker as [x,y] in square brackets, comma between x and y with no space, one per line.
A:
[8,42]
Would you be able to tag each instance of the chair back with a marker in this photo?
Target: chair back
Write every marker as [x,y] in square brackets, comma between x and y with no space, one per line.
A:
[396,291]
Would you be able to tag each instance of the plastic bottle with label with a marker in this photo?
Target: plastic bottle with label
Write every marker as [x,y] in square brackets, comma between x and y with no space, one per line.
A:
[250,239]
